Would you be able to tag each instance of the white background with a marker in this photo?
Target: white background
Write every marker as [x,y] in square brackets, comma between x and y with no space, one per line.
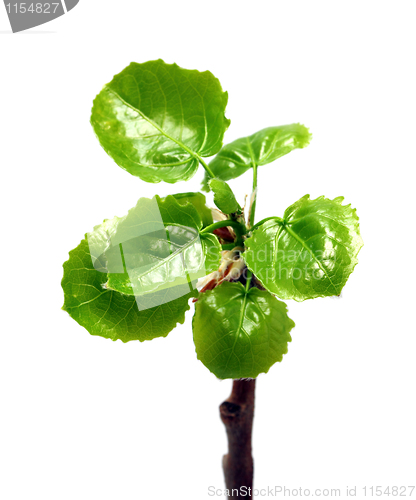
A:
[86,418]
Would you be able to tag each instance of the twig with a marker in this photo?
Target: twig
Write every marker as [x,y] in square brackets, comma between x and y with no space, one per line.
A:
[237,414]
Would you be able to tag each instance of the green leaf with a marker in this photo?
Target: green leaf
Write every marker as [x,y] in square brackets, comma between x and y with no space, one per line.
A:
[158,120]
[260,148]
[111,314]
[224,197]
[199,202]
[239,334]
[158,245]
[309,254]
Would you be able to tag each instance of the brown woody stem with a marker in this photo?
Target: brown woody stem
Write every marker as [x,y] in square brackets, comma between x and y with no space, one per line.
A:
[237,413]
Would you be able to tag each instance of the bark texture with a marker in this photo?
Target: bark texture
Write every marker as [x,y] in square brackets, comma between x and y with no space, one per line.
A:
[237,413]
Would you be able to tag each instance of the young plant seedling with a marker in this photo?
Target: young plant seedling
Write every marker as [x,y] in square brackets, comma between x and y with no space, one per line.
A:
[132,277]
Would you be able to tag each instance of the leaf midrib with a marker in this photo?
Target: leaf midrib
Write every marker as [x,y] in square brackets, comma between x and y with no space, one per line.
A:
[306,247]
[194,154]
[239,329]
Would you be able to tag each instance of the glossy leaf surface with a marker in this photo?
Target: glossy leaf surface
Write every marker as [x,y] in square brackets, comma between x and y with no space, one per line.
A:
[309,254]
[157,246]
[156,120]
[111,314]
[261,148]
[224,197]
[240,334]
[199,202]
